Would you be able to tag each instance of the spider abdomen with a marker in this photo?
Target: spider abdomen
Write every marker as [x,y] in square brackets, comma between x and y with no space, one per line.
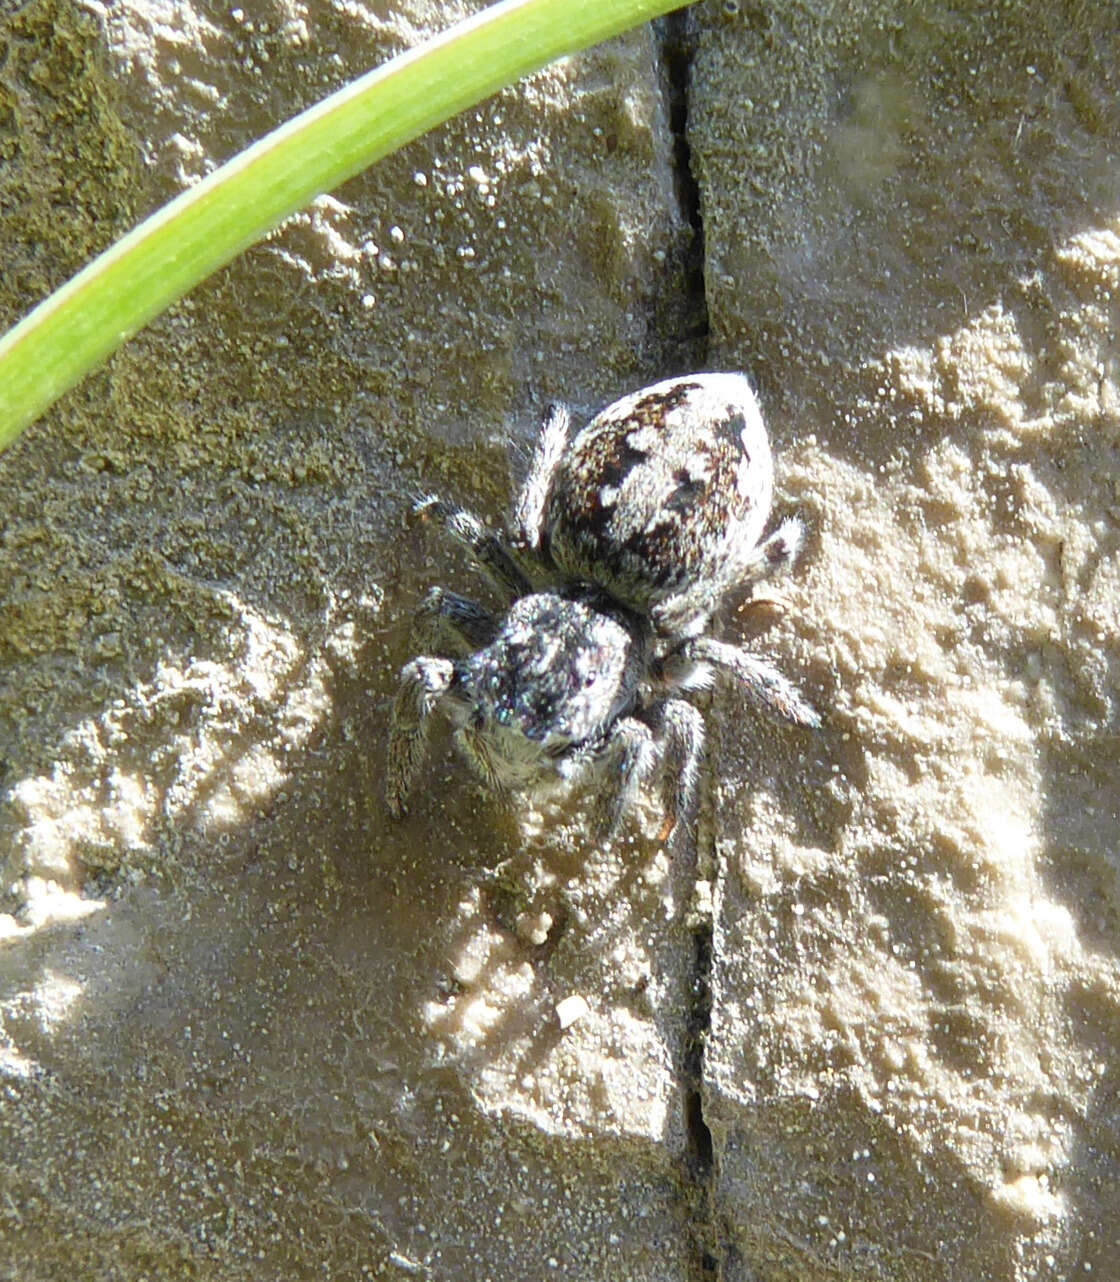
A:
[662,490]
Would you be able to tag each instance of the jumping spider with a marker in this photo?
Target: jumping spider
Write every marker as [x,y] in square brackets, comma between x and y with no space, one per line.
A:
[624,543]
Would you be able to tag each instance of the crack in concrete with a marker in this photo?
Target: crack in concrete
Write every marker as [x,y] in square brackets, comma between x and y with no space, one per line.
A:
[700,1137]
[676,36]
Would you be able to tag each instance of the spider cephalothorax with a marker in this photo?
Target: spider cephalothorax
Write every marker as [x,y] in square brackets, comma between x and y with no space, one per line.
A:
[625,541]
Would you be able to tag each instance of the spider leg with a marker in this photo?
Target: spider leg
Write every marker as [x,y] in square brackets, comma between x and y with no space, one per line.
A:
[528,515]
[423,684]
[634,751]
[480,541]
[761,681]
[473,747]
[773,556]
[628,758]
[682,734]
[445,619]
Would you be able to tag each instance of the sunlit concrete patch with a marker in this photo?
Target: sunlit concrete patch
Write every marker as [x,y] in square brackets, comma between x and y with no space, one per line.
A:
[43,1007]
[204,743]
[915,975]
[575,1047]
[52,999]
[44,903]
[12,1063]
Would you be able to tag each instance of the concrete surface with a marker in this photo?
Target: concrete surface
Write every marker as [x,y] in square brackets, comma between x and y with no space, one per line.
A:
[912,223]
[251,1029]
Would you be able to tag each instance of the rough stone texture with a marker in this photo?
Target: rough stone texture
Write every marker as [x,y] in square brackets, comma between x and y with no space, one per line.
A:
[912,224]
[248,1029]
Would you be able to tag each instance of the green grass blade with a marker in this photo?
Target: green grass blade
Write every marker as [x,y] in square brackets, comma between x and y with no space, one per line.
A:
[85,320]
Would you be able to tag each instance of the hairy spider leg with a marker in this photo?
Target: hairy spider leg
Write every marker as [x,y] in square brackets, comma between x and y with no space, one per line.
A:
[424,682]
[683,736]
[528,514]
[628,756]
[444,620]
[760,681]
[481,542]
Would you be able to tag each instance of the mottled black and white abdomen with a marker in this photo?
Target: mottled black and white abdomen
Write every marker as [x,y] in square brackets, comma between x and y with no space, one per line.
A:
[662,498]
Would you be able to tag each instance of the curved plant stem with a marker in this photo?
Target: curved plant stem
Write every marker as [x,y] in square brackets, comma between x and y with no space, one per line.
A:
[85,320]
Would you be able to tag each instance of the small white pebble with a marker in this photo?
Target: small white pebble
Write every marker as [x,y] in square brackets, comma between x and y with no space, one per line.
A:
[571,1009]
